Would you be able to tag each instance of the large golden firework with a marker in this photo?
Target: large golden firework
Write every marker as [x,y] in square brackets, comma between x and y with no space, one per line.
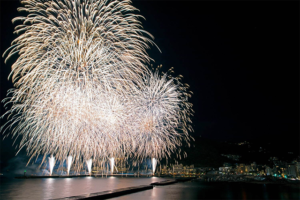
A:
[83,88]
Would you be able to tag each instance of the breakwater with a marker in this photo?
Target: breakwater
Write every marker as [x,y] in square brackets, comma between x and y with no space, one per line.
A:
[123,191]
[109,193]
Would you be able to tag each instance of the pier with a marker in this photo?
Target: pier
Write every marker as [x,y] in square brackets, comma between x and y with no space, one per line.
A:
[109,193]
[122,191]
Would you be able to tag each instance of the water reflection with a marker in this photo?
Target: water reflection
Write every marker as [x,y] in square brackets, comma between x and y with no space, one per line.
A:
[51,188]
[68,186]
[228,191]
[65,187]
[48,188]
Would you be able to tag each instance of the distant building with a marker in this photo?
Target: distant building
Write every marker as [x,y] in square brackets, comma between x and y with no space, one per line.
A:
[291,170]
[225,170]
[177,169]
[268,171]
[297,164]
[279,168]
[164,170]
[240,168]
[189,170]
[247,169]
[181,170]
[253,166]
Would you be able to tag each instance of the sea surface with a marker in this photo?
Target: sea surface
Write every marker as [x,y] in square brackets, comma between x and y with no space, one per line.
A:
[217,190]
[51,188]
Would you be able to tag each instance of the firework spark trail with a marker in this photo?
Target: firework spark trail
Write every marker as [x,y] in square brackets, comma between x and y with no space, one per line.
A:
[163,116]
[82,87]
[69,163]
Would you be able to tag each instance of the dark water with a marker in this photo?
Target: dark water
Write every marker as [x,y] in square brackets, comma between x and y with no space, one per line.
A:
[204,190]
[64,187]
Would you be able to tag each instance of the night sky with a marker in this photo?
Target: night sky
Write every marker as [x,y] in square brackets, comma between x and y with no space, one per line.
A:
[241,59]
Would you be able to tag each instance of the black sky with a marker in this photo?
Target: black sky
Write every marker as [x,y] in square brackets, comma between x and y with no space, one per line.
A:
[241,59]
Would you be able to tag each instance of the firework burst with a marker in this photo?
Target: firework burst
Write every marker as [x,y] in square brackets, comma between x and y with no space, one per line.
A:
[164,113]
[83,88]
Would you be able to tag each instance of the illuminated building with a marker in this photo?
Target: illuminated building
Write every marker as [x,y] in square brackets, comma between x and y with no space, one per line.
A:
[291,170]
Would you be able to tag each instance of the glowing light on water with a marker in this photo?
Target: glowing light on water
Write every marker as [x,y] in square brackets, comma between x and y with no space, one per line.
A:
[69,163]
[154,163]
[89,165]
[51,164]
[112,165]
